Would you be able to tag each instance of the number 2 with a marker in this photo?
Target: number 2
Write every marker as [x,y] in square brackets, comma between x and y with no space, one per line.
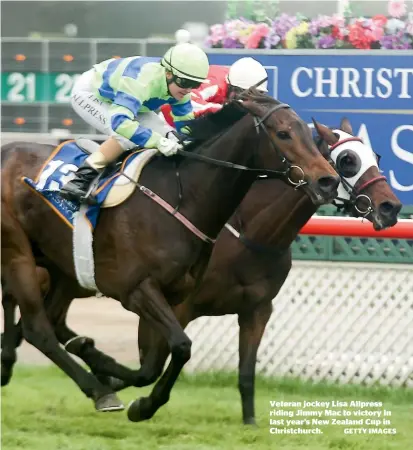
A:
[64,83]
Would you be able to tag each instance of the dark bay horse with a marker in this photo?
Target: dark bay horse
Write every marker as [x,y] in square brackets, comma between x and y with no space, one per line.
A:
[252,258]
[144,258]
[245,272]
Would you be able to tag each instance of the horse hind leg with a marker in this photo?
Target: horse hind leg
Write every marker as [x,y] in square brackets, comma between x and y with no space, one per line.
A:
[106,369]
[153,348]
[19,272]
[103,366]
[12,336]
[153,352]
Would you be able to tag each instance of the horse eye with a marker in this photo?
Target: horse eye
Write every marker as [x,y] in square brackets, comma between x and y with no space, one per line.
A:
[348,163]
[283,135]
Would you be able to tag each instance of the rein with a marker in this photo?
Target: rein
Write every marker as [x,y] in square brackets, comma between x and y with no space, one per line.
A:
[230,165]
[259,124]
[355,195]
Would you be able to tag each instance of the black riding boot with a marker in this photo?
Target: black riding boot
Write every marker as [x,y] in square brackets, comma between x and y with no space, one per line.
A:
[77,188]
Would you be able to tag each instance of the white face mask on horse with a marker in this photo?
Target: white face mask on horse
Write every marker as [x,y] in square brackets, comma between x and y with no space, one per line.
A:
[352,159]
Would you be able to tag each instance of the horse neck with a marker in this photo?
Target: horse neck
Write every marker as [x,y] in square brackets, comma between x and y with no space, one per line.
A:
[212,193]
[282,212]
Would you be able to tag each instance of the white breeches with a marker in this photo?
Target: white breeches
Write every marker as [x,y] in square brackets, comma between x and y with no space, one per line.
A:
[96,113]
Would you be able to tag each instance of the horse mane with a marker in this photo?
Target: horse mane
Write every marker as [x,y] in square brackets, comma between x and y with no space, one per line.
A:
[262,98]
[212,124]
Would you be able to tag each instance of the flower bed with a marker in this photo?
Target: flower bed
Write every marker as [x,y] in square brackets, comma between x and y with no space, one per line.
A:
[324,32]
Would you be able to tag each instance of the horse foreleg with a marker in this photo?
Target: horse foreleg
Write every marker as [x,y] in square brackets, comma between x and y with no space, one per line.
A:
[153,353]
[150,304]
[251,328]
[153,350]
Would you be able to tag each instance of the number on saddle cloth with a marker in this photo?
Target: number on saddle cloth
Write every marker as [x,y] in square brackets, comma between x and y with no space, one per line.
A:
[110,188]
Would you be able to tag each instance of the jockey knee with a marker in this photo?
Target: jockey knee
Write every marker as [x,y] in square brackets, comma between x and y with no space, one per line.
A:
[108,152]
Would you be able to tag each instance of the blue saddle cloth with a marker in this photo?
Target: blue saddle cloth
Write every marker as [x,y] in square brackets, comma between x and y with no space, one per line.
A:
[58,169]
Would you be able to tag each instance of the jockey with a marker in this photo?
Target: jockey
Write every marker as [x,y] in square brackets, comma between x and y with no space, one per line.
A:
[118,97]
[224,83]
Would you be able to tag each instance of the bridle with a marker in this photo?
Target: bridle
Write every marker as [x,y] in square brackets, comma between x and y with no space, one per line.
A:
[259,125]
[355,192]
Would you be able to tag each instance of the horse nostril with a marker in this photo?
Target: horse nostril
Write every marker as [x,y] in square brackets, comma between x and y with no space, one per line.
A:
[328,184]
[389,209]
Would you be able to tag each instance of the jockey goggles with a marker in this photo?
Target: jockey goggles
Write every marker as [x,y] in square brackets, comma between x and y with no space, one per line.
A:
[186,83]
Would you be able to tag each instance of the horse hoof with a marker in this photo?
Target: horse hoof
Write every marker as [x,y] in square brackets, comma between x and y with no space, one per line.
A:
[139,410]
[250,421]
[109,403]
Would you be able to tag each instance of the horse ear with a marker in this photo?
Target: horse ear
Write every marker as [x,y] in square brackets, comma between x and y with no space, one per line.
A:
[325,133]
[345,125]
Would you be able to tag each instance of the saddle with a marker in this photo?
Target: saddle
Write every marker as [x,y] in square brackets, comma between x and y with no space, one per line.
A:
[127,175]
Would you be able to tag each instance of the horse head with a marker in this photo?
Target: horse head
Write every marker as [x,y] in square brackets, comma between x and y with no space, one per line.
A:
[279,143]
[363,191]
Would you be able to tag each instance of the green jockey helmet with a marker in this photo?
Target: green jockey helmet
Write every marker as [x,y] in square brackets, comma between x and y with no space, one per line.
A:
[187,61]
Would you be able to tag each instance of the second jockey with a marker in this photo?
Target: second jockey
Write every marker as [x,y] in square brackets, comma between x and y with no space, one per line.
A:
[223,84]
[118,97]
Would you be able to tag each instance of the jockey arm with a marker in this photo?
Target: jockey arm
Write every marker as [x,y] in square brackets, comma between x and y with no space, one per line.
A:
[208,99]
[131,94]
[202,107]
[181,112]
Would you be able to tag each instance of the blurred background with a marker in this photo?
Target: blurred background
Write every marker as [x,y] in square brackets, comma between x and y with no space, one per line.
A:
[82,33]
[142,19]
